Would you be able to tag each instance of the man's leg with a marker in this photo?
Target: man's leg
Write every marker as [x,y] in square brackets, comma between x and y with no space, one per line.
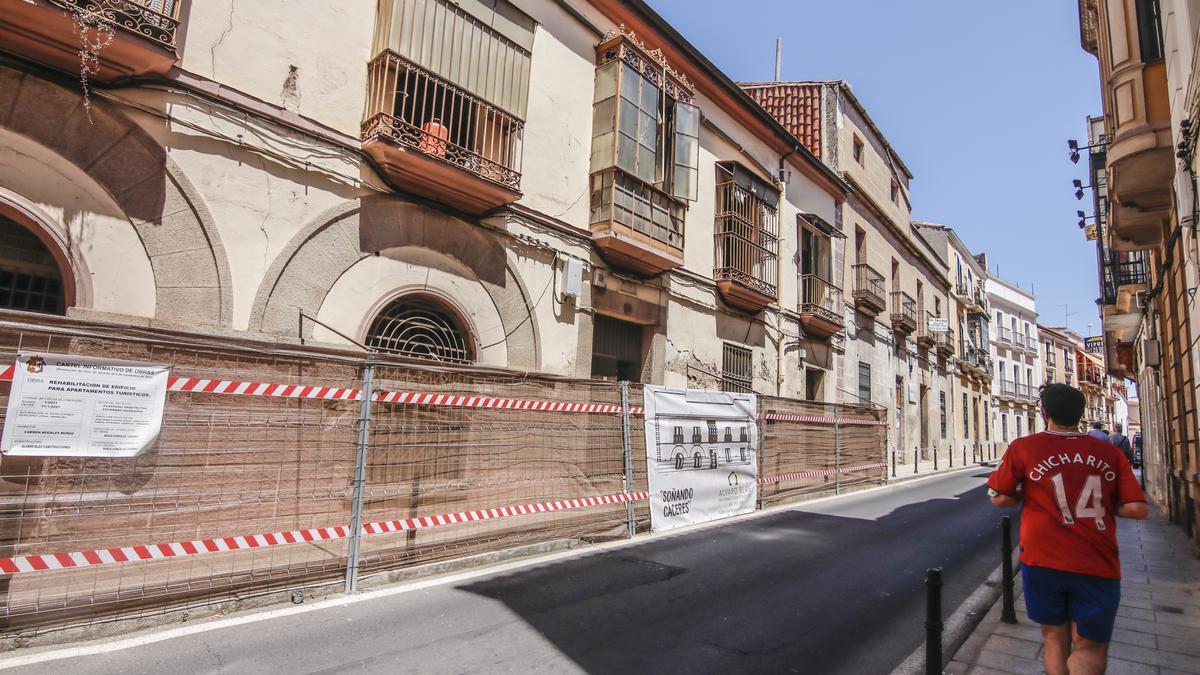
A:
[1058,648]
[1088,658]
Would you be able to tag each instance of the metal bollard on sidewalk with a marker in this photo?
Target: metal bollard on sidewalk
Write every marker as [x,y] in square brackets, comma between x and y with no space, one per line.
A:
[1007,613]
[933,621]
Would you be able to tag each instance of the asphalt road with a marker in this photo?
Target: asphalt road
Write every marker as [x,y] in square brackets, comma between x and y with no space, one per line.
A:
[833,587]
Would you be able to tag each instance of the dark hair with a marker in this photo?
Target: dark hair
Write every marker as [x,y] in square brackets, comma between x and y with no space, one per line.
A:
[1063,404]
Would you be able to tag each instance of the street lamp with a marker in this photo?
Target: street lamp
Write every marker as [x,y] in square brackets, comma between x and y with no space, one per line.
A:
[1079,187]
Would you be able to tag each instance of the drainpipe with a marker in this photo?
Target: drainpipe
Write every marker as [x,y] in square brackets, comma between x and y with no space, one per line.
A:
[779,281]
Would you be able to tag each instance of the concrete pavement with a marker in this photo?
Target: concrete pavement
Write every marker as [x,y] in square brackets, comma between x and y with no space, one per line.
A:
[1158,624]
[829,587]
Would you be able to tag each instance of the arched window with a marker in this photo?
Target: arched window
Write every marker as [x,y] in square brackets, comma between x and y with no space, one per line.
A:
[30,279]
[422,328]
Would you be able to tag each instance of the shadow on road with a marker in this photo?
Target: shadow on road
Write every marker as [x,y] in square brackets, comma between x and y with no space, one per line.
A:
[789,592]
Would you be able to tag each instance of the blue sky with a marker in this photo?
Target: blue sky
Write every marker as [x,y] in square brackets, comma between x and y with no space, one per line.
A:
[978,98]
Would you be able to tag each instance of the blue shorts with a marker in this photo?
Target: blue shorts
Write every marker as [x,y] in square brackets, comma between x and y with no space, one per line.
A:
[1054,597]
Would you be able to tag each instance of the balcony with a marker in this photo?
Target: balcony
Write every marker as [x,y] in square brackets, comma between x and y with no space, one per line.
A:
[870,297]
[904,312]
[143,34]
[820,306]
[438,140]
[1140,155]
[1004,336]
[747,248]
[635,225]
[925,337]
[944,343]
[1007,389]
[1090,377]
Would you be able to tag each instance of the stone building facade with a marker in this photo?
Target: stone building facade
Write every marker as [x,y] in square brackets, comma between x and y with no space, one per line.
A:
[891,281]
[579,193]
[1143,150]
[1014,349]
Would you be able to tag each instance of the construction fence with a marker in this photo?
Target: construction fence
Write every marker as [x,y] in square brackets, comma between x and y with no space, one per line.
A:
[283,466]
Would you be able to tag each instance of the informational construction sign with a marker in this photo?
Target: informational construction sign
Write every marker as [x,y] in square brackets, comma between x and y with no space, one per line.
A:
[80,406]
[701,455]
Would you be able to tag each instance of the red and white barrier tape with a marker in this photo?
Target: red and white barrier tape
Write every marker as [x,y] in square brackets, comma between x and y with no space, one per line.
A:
[502,512]
[816,473]
[109,556]
[236,387]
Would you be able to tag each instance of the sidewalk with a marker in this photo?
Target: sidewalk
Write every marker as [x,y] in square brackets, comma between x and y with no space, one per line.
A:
[1158,624]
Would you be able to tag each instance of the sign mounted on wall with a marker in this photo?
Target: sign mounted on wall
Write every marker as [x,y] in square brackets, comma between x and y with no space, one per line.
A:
[937,325]
[1094,345]
[79,406]
[701,455]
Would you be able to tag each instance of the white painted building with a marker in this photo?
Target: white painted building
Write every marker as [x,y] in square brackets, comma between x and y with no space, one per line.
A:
[1016,354]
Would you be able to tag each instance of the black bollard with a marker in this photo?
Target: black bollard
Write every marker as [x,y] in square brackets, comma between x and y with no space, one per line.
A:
[916,458]
[1007,612]
[933,621]
[893,462]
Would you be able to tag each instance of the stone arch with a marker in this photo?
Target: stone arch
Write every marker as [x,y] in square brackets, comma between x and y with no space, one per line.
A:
[192,280]
[313,261]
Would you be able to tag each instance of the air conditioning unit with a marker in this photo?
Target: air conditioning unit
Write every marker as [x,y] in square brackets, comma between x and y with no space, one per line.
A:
[1151,353]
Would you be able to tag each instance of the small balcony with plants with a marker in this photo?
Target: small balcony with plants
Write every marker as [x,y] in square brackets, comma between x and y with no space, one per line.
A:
[117,38]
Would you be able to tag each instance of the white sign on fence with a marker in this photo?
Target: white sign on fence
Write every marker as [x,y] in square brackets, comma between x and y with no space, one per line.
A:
[701,455]
[80,406]
[939,325]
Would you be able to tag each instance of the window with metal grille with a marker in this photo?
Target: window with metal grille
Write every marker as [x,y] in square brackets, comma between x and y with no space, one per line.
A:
[942,409]
[864,382]
[737,369]
[421,328]
[966,420]
[30,279]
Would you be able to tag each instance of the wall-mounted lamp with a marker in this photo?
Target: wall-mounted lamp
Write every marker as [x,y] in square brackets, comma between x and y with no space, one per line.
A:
[1073,147]
[1079,187]
[1083,218]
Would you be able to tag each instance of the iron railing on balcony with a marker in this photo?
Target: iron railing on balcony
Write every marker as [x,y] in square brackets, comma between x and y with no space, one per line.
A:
[818,296]
[156,20]
[1121,268]
[1005,335]
[868,285]
[747,239]
[944,341]
[1007,388]
[904,309]
[620,198]
[412,106]
[967,352]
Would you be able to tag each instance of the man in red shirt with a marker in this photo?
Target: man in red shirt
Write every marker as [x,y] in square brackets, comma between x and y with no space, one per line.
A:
[1073,487]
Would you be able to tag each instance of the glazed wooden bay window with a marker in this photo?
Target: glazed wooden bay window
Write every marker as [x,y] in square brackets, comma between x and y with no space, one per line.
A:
[447,93]
[746,237]
[645,153]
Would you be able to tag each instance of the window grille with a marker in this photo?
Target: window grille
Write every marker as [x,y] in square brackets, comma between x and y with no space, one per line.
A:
[30,280]
[421,329]
[864,382]
[737,369]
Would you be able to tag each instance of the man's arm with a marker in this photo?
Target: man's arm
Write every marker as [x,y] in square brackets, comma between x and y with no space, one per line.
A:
[1133,510]
[1004,501]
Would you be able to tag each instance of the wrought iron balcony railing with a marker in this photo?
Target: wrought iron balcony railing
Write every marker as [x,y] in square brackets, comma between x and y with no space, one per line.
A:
[869,288]
[819,297]
[413,107]
[155,20]
[1121,268]
[904,311]
[747,240]
[1006,335]
[1007,388]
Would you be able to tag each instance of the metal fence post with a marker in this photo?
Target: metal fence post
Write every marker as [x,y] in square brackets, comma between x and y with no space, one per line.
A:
[762,448]
[627,446]
[1007,612]
[360,478]
[933,621]
[837,453]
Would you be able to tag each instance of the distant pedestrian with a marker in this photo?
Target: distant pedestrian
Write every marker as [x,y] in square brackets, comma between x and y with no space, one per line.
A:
[1098,431]
[1072,486]
[1122,442]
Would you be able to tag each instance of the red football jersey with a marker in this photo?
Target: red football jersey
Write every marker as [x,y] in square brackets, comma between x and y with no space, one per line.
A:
[1072,485]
